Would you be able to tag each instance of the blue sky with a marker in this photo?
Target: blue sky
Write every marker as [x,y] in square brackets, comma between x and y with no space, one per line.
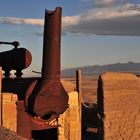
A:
[93,31]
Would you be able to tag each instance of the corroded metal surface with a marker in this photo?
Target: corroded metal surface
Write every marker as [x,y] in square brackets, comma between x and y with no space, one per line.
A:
[27,123]
[41,100]
[48,96]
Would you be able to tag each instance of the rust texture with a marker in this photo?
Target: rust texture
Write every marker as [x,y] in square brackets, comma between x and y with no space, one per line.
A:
[47,96]
[27,123]
[51,45]
[40,99]
[15,59]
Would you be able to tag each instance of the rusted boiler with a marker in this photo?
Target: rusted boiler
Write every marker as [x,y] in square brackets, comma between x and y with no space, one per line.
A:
[15,59]
[41,100]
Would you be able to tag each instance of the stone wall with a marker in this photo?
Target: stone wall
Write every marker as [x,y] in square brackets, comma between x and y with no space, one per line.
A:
[119,106]
[8,112]
[69,121]
[6,134]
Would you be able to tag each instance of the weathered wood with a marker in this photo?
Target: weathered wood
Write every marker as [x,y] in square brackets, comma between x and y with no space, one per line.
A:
[78,81]
[0,78]
[79,90]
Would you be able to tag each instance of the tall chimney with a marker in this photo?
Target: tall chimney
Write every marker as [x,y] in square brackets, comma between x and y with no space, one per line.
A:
[48,95]
[51,46]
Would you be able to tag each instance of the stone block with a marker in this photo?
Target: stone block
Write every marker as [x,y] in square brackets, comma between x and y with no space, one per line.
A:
[69,121]
[119,106]
[9,111]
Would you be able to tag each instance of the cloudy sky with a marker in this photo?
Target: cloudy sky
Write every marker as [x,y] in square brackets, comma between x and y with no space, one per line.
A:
[93,31]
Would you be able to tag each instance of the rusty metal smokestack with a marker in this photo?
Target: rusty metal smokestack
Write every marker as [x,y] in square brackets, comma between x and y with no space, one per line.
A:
[51,46]
[48,96]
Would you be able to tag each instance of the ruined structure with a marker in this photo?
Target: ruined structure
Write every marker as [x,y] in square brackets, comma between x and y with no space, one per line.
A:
[119,106]
[42,107]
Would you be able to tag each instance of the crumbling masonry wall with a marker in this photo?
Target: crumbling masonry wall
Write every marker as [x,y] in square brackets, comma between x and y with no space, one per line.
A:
[69,121]
[8,112]
[119,106]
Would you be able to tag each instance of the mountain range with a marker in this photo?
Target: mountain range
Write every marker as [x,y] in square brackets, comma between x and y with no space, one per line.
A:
[96,70]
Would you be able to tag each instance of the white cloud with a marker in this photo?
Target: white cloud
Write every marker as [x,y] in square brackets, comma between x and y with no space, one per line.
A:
[124,20]
[120,20]
[70,20]
[14,20]
[104,2]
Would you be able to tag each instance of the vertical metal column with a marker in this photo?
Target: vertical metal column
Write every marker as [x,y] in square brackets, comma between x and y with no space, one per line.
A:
[48,95]
[51,46]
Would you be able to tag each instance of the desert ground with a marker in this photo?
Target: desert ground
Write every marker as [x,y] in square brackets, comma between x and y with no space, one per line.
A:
[89,115]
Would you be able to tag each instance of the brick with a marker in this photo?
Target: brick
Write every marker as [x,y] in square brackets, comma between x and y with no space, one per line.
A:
[119,106]
[8,111]
[69,121]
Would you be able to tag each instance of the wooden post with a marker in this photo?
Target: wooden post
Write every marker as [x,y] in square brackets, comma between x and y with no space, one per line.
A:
[78,81]
[0,78]
[0,96]
[79,90]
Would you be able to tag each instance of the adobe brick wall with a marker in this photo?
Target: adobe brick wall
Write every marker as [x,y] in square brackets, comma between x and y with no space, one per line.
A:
[119,106]
[8,112]
[69,121]
[8,116]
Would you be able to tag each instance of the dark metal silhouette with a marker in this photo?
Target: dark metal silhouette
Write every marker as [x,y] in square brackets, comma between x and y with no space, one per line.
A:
[15,59]
[15,43]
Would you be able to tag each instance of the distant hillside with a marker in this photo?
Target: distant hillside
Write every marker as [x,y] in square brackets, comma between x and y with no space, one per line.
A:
[98,69]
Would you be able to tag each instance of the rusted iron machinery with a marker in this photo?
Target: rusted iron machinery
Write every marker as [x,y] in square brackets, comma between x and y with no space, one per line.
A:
[40,100]
[15,59]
